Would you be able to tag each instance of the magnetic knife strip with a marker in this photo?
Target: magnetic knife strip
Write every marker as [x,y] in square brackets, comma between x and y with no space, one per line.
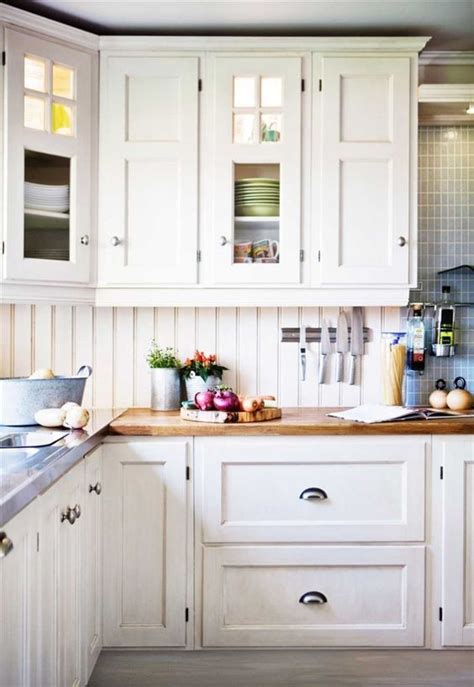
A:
[313,334]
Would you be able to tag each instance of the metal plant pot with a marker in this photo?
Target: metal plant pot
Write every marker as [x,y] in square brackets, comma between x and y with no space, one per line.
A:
[165,388]
[196,384]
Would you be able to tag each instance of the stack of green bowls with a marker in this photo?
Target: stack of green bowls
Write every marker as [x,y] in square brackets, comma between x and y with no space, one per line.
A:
[257,197]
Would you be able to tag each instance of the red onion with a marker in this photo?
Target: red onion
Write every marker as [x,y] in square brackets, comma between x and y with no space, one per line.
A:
[204,400]
[226,400]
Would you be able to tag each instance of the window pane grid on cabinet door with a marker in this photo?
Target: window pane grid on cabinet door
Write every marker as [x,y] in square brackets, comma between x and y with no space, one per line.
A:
[257,174]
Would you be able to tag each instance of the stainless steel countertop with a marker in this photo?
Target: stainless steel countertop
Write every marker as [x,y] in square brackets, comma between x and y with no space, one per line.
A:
[21,484]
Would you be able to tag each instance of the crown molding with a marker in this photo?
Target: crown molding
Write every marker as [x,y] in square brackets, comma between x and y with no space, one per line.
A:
[446,93]
[446,57]
[249,43]
[48,27]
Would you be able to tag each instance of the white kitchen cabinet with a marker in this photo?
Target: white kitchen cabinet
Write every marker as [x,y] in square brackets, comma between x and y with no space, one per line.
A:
[92,565]
[48,232]
[256,169]
[18,601]
[61,581]
[313,596]
[318,489]
[148,204]
[455,454]
[144,593]
[364,171]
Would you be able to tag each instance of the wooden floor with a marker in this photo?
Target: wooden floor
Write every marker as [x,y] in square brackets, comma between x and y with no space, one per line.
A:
[313,668]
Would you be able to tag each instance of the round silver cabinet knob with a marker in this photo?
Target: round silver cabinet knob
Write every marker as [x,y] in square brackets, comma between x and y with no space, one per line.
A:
[97,487]
[85,240]
[69,515]
[402,241]
[6,544]
[77,510]
[115,241]
[224,241]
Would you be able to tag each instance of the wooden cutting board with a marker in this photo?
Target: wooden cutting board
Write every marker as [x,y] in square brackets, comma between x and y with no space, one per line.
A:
[223,417]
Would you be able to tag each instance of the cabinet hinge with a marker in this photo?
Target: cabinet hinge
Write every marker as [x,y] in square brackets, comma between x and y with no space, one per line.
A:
[198,256]
[301,255]
[302,85]
[199,85]
[440,614]
[37,541]
[441,472]
[186,615]
[319,256]
[188,472]
[320,84]
[4,58]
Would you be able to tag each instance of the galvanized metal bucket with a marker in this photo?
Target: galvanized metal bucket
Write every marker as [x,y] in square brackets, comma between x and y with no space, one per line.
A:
[21,397]
[165,388]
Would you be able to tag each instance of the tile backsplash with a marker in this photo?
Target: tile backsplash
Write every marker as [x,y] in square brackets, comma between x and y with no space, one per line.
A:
[446,239]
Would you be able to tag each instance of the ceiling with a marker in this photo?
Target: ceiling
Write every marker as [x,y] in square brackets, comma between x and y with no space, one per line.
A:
[450,22]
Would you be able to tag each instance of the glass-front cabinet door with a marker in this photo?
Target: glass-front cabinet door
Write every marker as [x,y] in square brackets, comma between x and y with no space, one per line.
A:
[257,177]
[48,153]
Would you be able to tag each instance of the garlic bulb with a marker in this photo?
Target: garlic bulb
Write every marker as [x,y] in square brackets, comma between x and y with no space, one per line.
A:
[76,417]
[42,373]
[50,417]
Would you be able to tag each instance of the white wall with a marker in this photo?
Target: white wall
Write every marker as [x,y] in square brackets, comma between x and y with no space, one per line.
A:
[247,340]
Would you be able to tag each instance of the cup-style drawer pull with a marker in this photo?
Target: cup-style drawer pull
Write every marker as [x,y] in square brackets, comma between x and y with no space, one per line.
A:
[313,598]
[313,493]
[97,487]
[6,544]
[69,515]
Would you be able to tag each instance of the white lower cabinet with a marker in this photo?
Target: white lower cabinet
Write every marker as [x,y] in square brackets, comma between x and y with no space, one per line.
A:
[18,600]
[92,621]
[145,542]
[313,596]
[61,580]
[456,456]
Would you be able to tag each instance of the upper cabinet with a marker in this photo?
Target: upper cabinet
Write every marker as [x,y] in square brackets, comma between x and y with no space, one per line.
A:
[48,161]
[256,156]
[148,198]
[364,170]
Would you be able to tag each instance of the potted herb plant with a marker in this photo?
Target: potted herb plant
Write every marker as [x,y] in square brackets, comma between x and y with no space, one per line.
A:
[165,380]
[201,372]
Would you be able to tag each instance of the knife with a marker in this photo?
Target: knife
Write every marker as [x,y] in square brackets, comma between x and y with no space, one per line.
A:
[342,345]
[325,350]
[303,352]
[357,341]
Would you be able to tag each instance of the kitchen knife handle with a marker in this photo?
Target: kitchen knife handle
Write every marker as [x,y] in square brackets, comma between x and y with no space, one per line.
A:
[339,366]
[352,369]
[322,367]
[303,364]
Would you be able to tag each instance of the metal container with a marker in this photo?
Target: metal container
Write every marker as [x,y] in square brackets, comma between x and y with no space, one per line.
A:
[196,384]
[165,388]
[444,350]
[21,397]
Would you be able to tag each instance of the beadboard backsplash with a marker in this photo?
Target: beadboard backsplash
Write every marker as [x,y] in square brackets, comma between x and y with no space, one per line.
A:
[247,341]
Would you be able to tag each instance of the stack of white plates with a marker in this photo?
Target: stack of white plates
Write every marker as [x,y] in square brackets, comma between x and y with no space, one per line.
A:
[46,197]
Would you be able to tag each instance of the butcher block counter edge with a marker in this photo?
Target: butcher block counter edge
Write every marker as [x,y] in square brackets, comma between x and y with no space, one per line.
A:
[294,422]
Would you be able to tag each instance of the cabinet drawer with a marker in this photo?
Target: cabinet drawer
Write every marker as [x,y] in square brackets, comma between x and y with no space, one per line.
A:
[311,490]
[368,596]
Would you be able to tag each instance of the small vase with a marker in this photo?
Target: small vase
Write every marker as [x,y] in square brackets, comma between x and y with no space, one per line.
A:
[196,384]
[165,388]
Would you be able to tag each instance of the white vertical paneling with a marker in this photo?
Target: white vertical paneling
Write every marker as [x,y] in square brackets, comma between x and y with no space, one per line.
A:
[63,336]
[288,371]
[268,351]
[22,341]
[329,392]
[144,333]
[84,347]
[246,340]
[42,337]
[124,358]
[103,358]
[226,344]
[247,357]
[6,348]
[309,391]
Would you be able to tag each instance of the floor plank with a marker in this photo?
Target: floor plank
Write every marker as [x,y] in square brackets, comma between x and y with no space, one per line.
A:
[285,668]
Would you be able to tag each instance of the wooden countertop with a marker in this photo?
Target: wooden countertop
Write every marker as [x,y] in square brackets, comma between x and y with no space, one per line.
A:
[294,421]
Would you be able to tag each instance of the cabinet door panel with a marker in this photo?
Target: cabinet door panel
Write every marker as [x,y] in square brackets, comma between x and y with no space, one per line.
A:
[43,235]
[364,170]
[456,455]
[18,602]
[149,153]
[145,543]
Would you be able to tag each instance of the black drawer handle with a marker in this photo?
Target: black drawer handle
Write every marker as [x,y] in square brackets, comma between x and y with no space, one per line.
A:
[313,493]
[313,598]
